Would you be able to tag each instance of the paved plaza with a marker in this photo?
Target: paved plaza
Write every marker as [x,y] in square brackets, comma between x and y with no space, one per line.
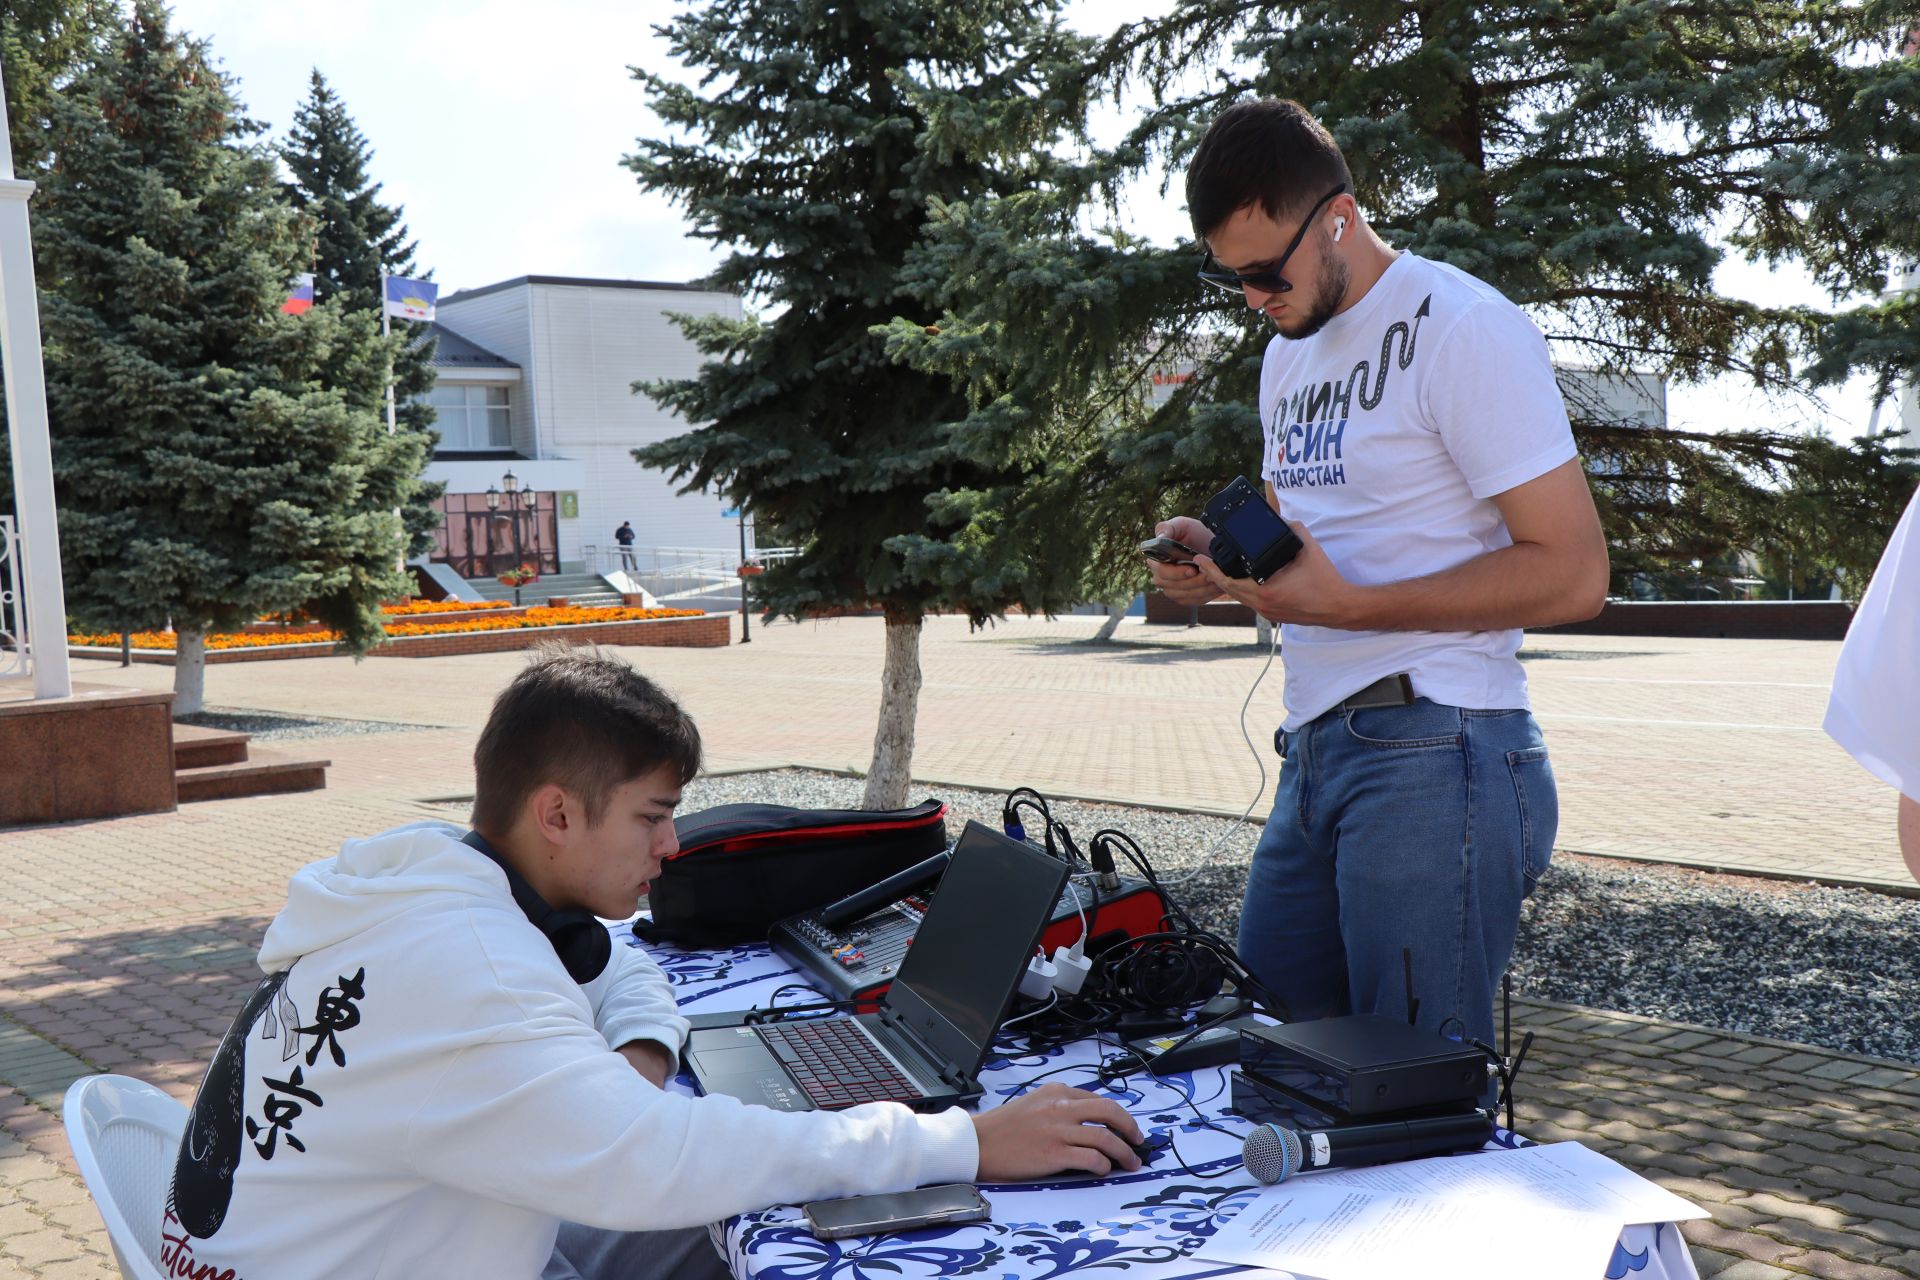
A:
[127,945]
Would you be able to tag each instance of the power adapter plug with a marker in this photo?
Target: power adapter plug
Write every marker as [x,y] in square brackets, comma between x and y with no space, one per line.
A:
[1037,982]
[1073,969]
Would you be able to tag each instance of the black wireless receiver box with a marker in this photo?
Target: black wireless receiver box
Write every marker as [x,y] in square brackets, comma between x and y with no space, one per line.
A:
[1365,1065]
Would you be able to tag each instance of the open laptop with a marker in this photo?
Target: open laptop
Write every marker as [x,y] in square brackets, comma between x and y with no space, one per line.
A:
[935,1026]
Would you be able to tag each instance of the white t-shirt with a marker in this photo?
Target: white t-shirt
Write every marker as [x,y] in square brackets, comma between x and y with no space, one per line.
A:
[1387,434]
[1875,708]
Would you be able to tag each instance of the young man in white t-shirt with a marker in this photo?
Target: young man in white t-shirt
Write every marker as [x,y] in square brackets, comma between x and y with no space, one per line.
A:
[1416,440]
[1874,711]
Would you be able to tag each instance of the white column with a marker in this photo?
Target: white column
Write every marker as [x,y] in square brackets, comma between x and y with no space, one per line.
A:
[43,593]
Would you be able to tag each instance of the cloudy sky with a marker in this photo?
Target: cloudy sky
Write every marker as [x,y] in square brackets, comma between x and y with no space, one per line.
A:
[499,126]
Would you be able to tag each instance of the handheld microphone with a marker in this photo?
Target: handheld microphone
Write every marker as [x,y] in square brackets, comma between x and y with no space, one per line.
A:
[1273,1153]
[865,901]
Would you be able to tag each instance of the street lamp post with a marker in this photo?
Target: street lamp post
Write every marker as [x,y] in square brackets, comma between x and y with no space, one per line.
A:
[518,498]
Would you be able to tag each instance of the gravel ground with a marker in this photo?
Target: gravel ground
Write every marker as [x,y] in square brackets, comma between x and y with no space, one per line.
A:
[279,726]
[1836,968]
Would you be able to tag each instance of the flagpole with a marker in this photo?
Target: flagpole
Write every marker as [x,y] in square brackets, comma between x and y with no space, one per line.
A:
[386,331]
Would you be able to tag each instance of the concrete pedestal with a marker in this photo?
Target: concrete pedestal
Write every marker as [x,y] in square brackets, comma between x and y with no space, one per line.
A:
[99,753]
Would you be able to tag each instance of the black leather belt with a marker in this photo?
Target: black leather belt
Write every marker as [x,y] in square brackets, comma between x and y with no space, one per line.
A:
[1388,691]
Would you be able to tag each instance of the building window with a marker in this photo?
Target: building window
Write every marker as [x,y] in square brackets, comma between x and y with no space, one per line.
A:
[471,417]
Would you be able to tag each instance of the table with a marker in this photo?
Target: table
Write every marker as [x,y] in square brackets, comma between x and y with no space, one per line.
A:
[1146,1224]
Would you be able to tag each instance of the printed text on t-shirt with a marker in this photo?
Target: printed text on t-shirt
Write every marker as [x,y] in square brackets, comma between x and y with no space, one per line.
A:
[1308,450]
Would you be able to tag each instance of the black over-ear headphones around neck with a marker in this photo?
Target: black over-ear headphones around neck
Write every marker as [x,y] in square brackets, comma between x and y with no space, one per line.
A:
[579,939]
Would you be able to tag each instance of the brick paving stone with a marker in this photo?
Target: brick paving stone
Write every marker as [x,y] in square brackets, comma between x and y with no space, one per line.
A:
[89,1267]
[1838,1070]
[1757,1248]
[1860,1243]
[1860,1206]
[1687,1040]
[1711,1262]
[1905,1175]
[1748,1269]
[1829,1266]
[44,1245]
[1834,1168]
[1770,1205]
[1766,1178]
[1758,1054]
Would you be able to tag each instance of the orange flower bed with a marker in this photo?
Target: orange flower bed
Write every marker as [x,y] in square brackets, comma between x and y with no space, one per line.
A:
[538,616]
[215,640]
[412,607]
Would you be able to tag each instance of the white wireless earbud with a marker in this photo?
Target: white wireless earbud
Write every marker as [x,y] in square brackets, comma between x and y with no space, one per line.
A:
[1339,227]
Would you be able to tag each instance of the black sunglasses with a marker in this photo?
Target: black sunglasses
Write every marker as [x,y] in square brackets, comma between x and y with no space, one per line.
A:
[1269,280]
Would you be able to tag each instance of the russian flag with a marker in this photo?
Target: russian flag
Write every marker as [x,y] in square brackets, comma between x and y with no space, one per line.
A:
[411,299]
[301,299]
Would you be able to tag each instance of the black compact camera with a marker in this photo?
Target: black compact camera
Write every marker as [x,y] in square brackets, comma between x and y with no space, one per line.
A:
[1250,540]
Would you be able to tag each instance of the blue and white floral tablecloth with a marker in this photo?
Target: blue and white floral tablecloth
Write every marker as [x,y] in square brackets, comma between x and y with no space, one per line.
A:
[1147,1224]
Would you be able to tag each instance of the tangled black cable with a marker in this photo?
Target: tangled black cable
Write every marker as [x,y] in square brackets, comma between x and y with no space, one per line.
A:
[1164,972]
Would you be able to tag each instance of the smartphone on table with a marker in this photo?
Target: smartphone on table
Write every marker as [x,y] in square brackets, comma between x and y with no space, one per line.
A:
[899,1211]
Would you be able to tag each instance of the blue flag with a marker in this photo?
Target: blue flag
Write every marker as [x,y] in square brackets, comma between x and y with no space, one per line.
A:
[411,299]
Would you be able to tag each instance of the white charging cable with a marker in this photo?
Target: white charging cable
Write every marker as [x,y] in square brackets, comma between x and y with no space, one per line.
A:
[1259,758]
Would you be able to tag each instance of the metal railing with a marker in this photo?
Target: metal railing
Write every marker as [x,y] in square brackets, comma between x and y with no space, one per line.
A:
[14,648]
[680,575]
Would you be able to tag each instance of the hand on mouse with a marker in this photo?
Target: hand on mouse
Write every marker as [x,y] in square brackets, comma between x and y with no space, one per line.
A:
[1055,1128]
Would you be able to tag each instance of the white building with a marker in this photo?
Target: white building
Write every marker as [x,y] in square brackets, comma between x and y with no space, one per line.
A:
[536,376]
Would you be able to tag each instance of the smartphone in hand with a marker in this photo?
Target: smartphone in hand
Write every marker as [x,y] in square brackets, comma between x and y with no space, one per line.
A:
[1167,551]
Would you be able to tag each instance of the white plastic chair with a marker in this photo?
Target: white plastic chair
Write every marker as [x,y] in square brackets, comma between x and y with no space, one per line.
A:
[125,1134]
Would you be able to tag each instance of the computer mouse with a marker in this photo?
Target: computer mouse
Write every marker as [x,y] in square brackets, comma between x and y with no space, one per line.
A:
[1151,1146]
[1148,1149]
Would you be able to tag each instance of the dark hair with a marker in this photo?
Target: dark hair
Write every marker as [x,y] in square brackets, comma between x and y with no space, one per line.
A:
[583,720]
[1268,152]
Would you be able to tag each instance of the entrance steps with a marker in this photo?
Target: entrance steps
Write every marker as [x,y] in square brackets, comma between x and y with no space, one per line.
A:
[217,764]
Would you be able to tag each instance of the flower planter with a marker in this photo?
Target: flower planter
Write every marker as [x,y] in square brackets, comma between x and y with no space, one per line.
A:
[556,602]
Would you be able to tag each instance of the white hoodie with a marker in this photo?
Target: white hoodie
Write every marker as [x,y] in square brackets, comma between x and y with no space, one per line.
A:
[427,1092]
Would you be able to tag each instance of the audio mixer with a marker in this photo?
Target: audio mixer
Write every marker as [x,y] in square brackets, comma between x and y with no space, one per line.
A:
[851,949]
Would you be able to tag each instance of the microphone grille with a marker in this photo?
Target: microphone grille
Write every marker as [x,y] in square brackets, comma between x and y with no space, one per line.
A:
[1272,1154]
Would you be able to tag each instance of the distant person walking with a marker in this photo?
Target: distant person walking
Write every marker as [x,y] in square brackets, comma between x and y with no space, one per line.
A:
[624,536]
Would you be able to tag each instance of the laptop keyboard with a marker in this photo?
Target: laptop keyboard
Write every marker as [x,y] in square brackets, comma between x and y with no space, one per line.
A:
[836,1063]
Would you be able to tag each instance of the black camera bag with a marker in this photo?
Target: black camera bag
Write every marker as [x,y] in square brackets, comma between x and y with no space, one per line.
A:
[743,866]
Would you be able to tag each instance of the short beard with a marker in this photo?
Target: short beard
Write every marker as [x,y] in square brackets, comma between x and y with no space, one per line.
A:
[1334,278]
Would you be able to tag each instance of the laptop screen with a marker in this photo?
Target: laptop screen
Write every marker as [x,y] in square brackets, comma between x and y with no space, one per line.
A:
[992,905]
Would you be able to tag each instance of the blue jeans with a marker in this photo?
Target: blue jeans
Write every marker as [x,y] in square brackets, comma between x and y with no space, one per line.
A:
[1422,827]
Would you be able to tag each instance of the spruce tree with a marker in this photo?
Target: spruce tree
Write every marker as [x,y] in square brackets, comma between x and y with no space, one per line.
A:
[1580,155]
[44,44]
[357,238]
[807,151]
[215,459]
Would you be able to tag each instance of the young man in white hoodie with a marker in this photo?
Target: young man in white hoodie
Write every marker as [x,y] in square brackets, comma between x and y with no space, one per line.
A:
[448,1059]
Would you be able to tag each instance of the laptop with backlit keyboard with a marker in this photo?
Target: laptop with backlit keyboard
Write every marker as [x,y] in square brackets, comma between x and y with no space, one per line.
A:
[937,1022]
